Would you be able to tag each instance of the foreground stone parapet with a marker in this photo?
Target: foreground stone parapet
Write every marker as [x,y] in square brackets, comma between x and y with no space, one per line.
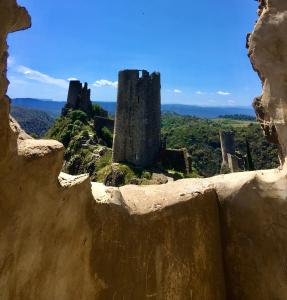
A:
[253,210]
[162,242]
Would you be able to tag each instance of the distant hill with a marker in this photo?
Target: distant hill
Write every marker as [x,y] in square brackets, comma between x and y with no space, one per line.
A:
[53,108]
[32,121]
[206,112]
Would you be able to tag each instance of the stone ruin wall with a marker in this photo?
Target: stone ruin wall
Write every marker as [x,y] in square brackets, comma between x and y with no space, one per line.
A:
[231,161]
[64,238]
[227,145]
[176,159]
[79,97]
[100,122]
[137,125]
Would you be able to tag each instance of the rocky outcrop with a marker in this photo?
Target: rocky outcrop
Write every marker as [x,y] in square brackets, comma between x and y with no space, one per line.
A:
[63,238]
[268,53]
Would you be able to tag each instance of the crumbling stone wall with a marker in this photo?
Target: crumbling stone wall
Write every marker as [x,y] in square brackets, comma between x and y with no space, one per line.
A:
[101,122]
[176,159]
[137,124]
[79,97]
[227,145]
[231,161]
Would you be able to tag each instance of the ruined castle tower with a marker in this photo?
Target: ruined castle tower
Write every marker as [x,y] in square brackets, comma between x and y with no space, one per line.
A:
[227,145]
[231,161]
[137,125]
[79,97]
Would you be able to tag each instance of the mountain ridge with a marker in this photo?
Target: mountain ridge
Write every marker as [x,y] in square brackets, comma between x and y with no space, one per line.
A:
[54,108]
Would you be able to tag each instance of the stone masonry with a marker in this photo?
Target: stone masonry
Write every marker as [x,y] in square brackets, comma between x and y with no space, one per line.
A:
[137,125]
[231,161]
[79,97]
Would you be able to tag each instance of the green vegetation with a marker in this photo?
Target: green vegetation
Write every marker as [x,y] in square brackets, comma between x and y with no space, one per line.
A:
[34,122]
[90,152]
[99,111]
[107,136]
[201,138]
[238,117]
[85,151]
[129,173]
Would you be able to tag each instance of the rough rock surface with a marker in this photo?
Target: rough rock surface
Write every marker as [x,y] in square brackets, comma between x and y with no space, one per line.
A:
[268,53]
[63,238]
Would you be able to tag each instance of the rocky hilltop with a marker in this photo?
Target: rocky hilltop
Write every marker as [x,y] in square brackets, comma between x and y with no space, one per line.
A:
[65,238]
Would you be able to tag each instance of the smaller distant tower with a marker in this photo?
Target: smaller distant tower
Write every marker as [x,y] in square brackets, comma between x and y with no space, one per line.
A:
[231,161]
[227,145]
[79,97]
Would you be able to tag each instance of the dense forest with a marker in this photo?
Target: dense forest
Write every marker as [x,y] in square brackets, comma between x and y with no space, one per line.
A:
[201,138]
[34,122]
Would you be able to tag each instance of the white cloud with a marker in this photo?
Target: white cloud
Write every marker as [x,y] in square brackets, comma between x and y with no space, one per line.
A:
[177,91]
[105,82]
[72,78]
[199,93]
[41,77]
[221,93]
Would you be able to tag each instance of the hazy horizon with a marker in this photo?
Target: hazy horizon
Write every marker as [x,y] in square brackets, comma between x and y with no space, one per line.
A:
[163,103]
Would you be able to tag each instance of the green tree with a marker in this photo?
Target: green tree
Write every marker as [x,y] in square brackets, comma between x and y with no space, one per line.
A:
[98,111]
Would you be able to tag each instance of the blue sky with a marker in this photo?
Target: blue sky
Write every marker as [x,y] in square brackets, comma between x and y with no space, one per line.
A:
[198,46]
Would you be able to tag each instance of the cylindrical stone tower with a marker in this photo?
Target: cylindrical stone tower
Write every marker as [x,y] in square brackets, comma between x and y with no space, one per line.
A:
[137,125]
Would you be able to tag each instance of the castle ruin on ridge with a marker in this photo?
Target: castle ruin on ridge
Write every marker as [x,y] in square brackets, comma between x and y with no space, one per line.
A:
[137,126]
[79,97]
[231,160]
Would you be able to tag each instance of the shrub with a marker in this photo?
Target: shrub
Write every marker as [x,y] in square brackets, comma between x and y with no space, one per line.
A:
[78,115]
[65,138]
[107,136]
[99,111]
[85,134]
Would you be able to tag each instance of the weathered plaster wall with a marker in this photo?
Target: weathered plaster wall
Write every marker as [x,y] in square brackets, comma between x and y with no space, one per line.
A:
[268,53]
[63,238]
